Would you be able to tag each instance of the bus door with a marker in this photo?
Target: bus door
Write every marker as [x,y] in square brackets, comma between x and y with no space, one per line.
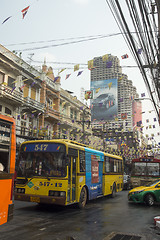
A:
[72,169]
[100,163]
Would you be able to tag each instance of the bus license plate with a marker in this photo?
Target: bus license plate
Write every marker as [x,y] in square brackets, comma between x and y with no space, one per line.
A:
[35,199]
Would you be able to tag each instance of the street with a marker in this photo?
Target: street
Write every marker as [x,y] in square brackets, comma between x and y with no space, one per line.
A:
[100,218]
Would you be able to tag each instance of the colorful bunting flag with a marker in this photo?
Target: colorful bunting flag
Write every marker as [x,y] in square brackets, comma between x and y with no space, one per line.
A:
[32,84]
[124,56]
[97,90]
[68,75]
[24,11]
[38,77]
[55,79]
[76,67]
[120,78]
[123,116]
[88,94]
[61,70]
[63,104]
[79,73]
[13,89]
[109,64]
[25,79]
[105,57]
[6,19]
[90,65]
[139,51]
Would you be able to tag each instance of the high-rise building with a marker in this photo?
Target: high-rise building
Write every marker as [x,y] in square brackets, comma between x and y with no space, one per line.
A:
[113,95]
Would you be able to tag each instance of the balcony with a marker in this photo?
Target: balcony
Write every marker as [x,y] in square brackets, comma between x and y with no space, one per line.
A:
[11,96]
[52,113]
[33,104]
[52,85]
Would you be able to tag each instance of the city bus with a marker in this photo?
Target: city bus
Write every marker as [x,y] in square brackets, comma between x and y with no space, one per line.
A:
[65,172]
[7,167]
[144,171]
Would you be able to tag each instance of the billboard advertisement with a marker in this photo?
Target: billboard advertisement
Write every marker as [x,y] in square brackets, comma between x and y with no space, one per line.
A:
[104,105]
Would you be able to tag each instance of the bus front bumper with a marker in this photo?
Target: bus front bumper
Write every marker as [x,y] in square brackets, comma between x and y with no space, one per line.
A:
[40,199]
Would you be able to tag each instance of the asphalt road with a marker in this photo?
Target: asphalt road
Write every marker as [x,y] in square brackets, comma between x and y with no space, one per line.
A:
[100,218]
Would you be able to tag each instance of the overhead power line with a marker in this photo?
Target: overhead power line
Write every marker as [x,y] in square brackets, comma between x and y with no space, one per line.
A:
[144,25]
[76,40]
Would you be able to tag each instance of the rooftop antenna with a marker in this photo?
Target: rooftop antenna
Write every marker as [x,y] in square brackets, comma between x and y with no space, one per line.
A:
[30,58]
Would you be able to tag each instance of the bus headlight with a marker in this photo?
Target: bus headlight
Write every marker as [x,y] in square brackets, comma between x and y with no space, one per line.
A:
[57,193]
[62,194]
[20,190]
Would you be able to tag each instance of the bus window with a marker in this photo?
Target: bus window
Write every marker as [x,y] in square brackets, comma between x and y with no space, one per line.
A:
[111,161]
[106,164]
[139,168]
[41,164]
[153,169]
[82,161]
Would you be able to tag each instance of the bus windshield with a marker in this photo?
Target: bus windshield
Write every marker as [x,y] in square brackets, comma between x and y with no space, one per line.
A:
[47,164]
[144,168]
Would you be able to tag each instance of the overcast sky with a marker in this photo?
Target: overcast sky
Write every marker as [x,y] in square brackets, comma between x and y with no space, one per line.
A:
[71,20]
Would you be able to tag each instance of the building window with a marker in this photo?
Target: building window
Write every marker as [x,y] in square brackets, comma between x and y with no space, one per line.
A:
[8,111]
[23,127]
[11,82]
[0,108]
[1,77]
[71,114]
[50,103]
[75,115]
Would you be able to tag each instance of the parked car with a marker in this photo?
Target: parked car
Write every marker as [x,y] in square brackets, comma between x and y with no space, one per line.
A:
[126,182]
[146,194]
[105,100]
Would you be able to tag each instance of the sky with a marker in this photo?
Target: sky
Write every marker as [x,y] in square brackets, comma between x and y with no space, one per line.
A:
[49,21]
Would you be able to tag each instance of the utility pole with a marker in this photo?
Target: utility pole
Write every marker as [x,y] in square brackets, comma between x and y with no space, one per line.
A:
[82,122]
[83,127]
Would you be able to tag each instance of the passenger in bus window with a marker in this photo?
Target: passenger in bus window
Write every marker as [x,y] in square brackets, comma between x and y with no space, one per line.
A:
[1,167]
